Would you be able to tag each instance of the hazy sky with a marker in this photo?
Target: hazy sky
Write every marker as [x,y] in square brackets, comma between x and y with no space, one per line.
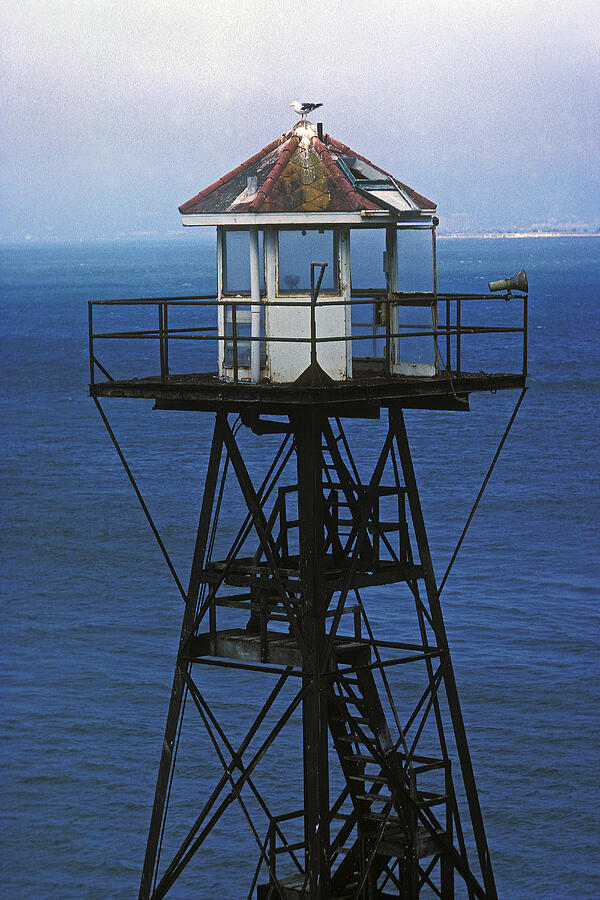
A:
[116,112]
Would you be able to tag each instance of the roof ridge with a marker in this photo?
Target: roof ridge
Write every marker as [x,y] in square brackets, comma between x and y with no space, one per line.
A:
[274,175]
[225,178]
[357,200]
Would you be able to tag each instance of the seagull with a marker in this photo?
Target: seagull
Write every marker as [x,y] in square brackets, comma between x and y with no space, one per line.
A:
[303,109]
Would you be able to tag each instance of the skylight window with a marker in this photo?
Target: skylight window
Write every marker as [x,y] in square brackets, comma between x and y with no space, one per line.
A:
[380,187]
[363,175]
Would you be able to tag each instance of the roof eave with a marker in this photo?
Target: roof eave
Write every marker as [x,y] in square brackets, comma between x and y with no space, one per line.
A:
[355,217]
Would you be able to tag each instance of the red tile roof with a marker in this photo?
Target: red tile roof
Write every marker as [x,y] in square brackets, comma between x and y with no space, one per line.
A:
[295,173]
[285,155]
[358,200]
[189,204]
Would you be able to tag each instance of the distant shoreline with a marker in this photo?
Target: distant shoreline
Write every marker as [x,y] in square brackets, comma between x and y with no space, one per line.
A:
[519,234]
[134,237]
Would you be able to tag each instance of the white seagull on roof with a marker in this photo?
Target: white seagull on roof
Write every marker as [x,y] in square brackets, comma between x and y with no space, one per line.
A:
[303,109]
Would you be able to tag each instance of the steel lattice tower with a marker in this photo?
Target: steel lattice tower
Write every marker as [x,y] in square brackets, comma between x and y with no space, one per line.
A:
[326,595]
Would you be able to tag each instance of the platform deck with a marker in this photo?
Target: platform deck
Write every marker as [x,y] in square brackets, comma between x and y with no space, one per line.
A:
[236,643]
[207,392]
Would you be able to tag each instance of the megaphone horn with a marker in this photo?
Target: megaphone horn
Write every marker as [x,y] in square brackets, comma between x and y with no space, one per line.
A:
[518,282]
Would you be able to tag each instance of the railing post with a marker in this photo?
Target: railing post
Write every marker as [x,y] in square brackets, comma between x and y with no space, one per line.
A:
[525,301]
[91,341]
[388,339]
[234,339]
[448,340]
[166,336]
[314,293]
[458,321]
[212,624]
[264,624]
[161,341]
[391,320]
[374,308]
[434,315]
[313,317]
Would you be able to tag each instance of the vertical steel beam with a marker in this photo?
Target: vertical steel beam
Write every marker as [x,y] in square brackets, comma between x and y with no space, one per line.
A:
[166,760]
[434,289]
[308,429]
[398,426]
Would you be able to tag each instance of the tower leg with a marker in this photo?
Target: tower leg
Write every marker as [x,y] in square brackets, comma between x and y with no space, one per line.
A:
[177,691]
[398,427]
[308,429]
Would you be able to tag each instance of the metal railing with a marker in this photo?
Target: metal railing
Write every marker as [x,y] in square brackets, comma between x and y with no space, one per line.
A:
[344,822]
[447,331]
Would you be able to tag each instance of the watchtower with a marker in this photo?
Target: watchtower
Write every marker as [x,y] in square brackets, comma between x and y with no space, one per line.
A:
[331,534]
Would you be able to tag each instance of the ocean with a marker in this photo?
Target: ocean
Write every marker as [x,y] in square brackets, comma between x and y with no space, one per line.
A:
[90,617]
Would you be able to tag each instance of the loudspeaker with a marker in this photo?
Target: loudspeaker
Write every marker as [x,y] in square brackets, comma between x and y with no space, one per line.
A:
[518,282]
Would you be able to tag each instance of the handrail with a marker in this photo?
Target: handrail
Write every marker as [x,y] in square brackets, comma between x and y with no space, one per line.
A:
[379,329]
[361,298]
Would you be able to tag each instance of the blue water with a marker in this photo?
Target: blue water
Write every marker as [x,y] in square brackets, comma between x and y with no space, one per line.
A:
[90,617]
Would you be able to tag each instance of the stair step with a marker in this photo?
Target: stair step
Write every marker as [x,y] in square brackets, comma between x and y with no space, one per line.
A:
[350,739]
[375,798]
[360,757]
[354,720]
[359,702]
[382,817]
[375,779]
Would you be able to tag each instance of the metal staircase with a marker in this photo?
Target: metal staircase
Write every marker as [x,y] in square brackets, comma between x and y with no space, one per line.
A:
[382,783]
[296,599]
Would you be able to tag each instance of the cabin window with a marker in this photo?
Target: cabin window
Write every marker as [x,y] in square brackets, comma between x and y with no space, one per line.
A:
[415,260]
[367,263]
[367,246]
[236,262]
[415,274]
[297,250]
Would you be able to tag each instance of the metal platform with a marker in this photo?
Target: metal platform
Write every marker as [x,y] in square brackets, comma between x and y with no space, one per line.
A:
[236,643]
[246,572]
[294,889]
[356,396]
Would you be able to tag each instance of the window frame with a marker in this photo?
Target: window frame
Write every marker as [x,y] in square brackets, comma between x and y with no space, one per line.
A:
[262,271]
[298,292]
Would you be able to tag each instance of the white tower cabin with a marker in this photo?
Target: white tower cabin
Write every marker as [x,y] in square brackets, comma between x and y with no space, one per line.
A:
[306,198]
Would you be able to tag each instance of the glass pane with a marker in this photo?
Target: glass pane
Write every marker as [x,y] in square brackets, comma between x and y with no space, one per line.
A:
[297,250]
[415,260]
[367,246]
[415,273]
[243,330]
[236,262]
[366,258]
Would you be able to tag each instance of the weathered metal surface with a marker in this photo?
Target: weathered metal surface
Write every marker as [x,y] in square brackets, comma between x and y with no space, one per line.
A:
[238,643]
[391,816]
[177,691]
[211,393]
